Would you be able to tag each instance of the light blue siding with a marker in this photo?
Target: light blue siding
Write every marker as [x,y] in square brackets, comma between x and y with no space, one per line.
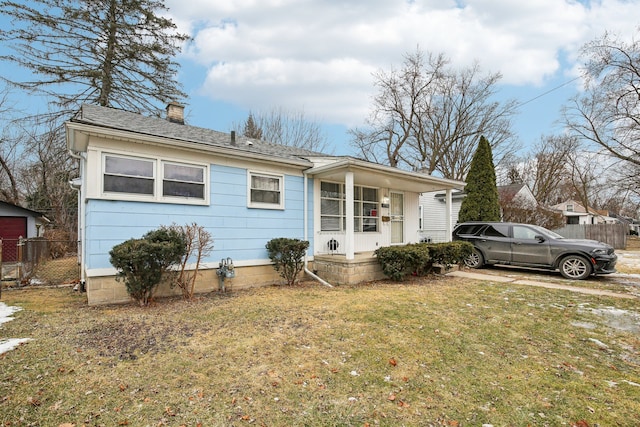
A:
[238,232]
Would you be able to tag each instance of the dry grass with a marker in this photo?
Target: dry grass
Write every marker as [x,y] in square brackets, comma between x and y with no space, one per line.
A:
[633,243]
[58,271]
[437,352]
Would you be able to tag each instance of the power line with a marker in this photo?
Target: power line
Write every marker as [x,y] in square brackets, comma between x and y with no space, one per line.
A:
[548,92]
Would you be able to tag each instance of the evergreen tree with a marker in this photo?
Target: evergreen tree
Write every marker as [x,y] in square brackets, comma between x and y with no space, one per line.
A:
[251,129]
[482,202]
[114,53]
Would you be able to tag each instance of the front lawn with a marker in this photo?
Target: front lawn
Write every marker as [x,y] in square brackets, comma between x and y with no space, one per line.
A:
[436,351]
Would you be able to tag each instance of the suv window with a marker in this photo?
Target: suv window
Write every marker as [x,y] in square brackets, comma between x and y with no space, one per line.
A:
[468,229]
[520,232]
[497,230]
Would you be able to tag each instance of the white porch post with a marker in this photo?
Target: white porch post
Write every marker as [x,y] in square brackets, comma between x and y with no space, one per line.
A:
[349,238]
[449,212]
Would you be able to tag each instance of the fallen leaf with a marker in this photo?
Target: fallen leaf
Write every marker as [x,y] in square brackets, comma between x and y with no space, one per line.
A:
[392,362]
[391,397]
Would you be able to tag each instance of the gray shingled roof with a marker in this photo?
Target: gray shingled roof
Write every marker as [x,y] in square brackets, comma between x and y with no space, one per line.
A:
[133,122]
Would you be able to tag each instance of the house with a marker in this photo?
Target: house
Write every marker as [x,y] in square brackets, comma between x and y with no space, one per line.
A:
[576,213]
[17,222]
[516,194]
[432,213]
[138,173]
[433,209]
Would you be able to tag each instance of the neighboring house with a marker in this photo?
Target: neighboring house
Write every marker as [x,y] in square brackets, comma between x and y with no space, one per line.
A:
[516,194]
[433,209]
[17,222]
[575,213]
[139,173]
[433,227]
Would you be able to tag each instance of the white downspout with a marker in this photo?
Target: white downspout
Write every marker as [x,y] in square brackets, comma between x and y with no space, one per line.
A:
[305,221]
[81,216]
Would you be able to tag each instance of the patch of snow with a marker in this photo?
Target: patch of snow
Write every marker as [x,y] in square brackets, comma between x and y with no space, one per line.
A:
[598,343]
[11,343]
[585,325]
[616,318]
[6,311]
[5,316]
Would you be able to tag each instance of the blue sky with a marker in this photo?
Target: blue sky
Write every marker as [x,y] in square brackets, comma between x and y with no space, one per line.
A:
[319,56]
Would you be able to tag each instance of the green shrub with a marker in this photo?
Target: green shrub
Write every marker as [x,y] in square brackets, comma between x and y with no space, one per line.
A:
[450,253]
[142,263]
[419,258]
[287,256]
[399,261]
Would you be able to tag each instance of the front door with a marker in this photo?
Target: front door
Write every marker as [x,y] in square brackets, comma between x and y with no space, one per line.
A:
[397,218]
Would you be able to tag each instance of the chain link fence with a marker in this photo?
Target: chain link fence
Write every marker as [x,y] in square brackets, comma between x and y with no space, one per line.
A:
[39,261]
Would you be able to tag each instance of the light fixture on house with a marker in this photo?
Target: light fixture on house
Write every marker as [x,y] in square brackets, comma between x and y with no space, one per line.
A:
[385,202]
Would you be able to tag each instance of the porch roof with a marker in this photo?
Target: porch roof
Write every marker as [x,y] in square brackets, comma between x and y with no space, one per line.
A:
[372,174]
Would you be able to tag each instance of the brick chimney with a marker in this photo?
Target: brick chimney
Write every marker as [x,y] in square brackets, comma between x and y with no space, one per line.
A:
[175,113]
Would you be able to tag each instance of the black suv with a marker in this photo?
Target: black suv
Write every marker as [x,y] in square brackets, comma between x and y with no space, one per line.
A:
[527,245]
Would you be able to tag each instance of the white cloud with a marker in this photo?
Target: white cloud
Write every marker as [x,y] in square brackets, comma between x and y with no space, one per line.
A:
[319,55]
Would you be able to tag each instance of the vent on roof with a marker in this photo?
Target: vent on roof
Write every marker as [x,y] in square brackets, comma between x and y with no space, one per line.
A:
[175,113]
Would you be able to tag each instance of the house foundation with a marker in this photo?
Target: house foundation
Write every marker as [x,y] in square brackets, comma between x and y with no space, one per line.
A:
[338,270]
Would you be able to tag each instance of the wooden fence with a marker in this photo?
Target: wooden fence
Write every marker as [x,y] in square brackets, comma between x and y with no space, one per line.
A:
[614,234]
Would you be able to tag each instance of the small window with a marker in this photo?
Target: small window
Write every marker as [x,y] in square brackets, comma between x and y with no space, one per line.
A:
[183,180]
[331,206]
[467,229]
[128,175]
[526,233]
[266,191]
[570,208]
[366,209]
[497,230]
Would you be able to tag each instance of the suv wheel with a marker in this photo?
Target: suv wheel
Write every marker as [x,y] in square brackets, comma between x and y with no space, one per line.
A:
[475,260]
[575,267]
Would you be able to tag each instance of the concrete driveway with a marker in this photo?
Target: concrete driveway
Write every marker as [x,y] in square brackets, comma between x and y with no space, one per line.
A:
[627,261]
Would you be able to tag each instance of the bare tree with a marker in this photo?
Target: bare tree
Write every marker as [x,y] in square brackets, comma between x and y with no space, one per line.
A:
[9,143]
[281,126]
[46,170]
[607,114]
[429,117]
[113,53]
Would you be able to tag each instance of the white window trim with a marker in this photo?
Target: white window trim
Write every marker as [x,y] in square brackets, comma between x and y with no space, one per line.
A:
[342,214]
[158,178]
[258,205]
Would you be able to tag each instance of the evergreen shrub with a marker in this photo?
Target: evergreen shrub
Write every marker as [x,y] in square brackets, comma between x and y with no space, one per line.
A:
[143,263]
[419,258]
[287,256]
